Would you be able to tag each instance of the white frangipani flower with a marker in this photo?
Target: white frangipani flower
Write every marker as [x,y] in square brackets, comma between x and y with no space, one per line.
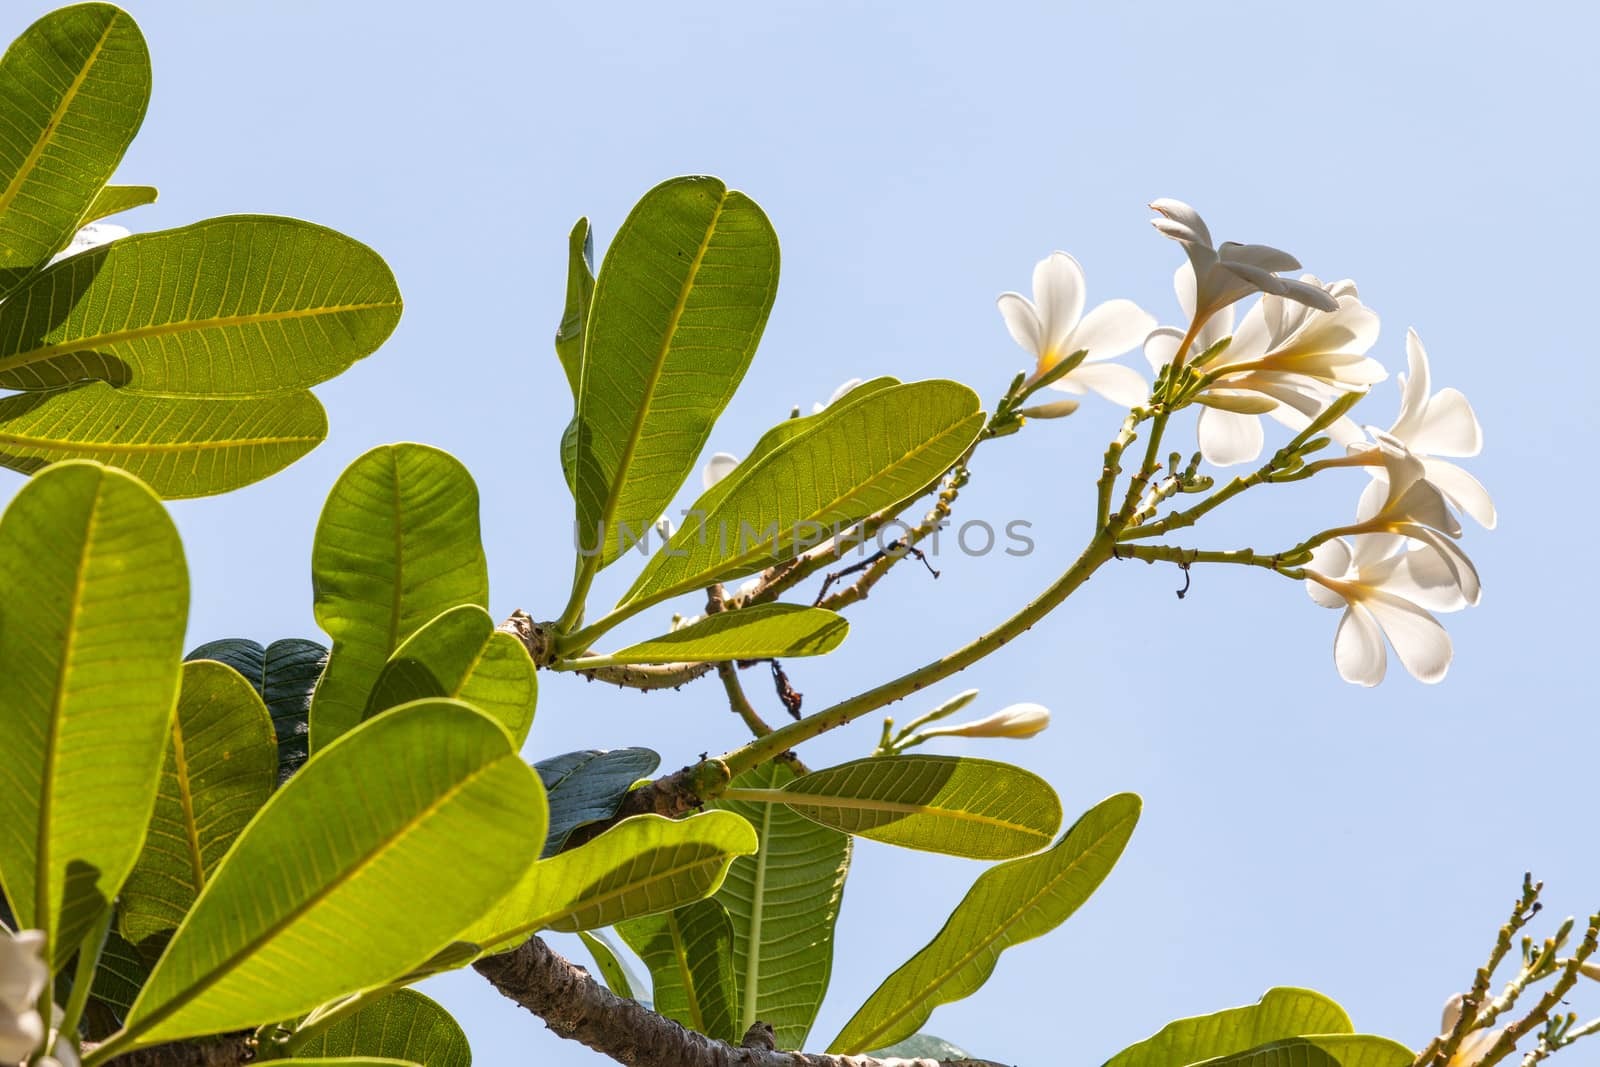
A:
[1286,359]
[23,975]
[1018,720]
[1430,426]
[1390,593]
[1230,271]
[718,467]
[838,394]
[1415,508]
[93,235]
[1052,326]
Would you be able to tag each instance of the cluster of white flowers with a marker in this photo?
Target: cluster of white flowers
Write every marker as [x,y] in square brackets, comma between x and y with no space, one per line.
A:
[1303,345]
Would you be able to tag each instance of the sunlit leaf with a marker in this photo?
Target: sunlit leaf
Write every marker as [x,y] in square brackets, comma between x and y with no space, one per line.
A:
[436,819]
[243,305]
[1295,1052]
[73,89]
[580,295]
[586,787]
[181,446]
[783,902]
[221,766]
[689,951]
[1010,903]
[397,544]
[925,1046]
[459,653]
[638,867]
[96,597]
[856,459]
[679,305]
[1280,1013]
[610,965]
[759,632]
[403,1025]
[952,804]
[115,199]
[284,673]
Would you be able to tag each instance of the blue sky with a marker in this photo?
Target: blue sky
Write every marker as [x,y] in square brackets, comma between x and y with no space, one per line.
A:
[916,160]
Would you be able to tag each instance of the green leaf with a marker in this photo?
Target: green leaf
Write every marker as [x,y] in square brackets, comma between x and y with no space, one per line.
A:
[679,306]
[397,544]
[1010,903]
[403,1025]
[858,458]
[638,867]
[1363,1050]
[953,804]
[284,673]
[73,89]
[587,787]
[580,295]
[784,902]
[608,964]
[689,951]
[244,305]
[96,597]
[428,818]
[343,1061]
[460,654]
[181,446]
[759,632]
[925,1046]
[121,974]
[221,766]
[1280,1013]
[1295,1052]
[115,199]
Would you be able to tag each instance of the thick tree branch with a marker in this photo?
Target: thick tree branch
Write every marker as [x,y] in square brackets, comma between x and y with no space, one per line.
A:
[576,1007]
[225,1050]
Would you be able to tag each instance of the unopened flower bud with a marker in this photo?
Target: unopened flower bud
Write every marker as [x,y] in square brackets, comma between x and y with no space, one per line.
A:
[1019,720]
[1055,409]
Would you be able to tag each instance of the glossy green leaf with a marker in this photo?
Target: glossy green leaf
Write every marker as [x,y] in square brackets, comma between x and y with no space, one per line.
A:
[679,306]
[638,867]
[181,446]
[689,951]
[586,787]
[1280,1013]
[96,597]
[609,964]
[1010,903]
[580,295]
[121,974]
[221,766]
[784,902]
[403,1025]
[115,199]
[1294,1052]
[952,804]
[925,1046]
[459,653]
[1363,1050]
[397,544]
[284,673]
[73,89]
[436,819]
[858,458]
[759,632]
[244,305]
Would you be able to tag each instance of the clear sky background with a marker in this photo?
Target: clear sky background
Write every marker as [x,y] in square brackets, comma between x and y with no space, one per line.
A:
[916,160]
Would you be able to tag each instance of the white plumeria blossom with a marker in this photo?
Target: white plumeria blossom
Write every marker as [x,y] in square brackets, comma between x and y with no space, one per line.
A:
[838,394]
[1018,720]
[23,975]
[718,467]
[1386,593]
[1286,359]
[1476,1042]
[1229,272]
[93,235]
[1431,425]
[1052,326]
[1415,508]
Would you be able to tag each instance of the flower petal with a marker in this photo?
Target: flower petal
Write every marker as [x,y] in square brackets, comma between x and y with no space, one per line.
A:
[1358,647]
[1466,575]
[1058,293]
[1464,491]
[1022,321]
[1373,496]
[1418,639]
[718,467]
[1181,219]
[1117,383]
[1161,345]
[1261,257]
[1112,328]
[1414,388]
[1449,428]
[1227,438]
[1332,558]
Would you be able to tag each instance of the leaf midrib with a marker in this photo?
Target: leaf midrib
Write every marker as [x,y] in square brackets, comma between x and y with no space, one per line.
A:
[191,828]
[227,965]
[803,800]
[42,142]
[758,892]
[914,1002]
[572,908]
[79,447]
